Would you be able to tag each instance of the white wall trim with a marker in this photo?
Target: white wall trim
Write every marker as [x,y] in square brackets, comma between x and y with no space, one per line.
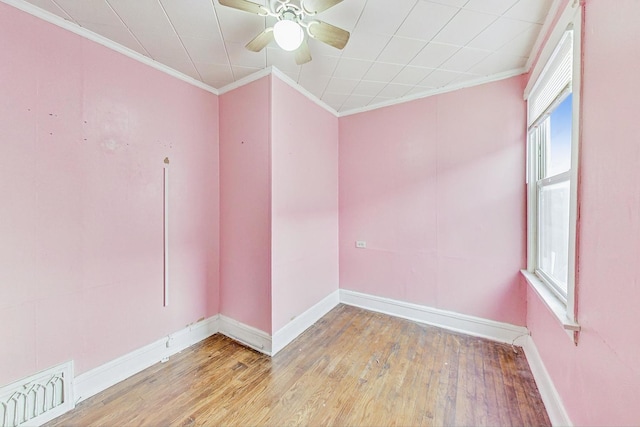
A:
[288,80]
[245,334]
[432,92]
[475,326]
[97,38]
[245,81]
[111,373]
[301,323]
[470,325]
[550,396]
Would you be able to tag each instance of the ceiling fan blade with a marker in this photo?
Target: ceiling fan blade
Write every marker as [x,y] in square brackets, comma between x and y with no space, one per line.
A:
[261,40]
[317,6]
[327,33]
[303,54]
[246,5]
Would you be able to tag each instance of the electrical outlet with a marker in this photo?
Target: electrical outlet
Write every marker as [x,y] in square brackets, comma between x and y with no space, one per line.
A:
[361,244]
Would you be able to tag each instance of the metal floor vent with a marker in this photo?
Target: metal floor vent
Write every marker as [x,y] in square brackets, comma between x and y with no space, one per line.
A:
[37,399]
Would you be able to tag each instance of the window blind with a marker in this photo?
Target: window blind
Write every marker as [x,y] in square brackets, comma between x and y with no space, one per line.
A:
[555,77]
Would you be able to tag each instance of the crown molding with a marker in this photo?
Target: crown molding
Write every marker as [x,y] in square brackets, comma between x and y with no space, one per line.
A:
[288,80]
[97,38]
[463,85]
[245,80]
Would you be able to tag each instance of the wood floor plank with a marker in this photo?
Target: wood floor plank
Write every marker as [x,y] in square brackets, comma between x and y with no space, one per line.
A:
[353,367]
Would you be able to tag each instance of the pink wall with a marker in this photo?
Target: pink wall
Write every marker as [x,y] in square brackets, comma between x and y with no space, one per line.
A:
[245,204]
[436,189]
[83,135]
[304,203]
[599,380]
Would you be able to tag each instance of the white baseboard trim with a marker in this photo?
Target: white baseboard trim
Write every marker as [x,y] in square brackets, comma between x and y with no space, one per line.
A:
[301,323]
[111,373]
[470,325]
[550,397]
[245,334]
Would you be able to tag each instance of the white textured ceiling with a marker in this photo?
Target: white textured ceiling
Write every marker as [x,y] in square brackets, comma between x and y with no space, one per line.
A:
[398,48]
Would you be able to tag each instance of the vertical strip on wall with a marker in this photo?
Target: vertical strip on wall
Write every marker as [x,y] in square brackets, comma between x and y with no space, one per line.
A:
[165,233]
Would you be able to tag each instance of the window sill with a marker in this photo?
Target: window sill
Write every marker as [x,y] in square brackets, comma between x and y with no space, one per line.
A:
[552,302]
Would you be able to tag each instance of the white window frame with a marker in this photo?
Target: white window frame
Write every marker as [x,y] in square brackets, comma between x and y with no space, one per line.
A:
[565,309]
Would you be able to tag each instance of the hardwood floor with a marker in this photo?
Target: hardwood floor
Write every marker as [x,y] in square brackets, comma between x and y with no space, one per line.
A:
[353,367]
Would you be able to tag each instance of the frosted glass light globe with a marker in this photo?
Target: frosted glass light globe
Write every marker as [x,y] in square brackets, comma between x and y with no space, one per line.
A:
[288,34]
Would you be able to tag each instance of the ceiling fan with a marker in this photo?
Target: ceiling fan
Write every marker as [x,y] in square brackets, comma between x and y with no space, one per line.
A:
[289,30]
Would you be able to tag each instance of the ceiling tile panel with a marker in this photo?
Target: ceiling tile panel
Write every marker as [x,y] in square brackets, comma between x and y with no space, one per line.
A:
[284,61]
[344,15]
[455,3]
[417,91]
[530,11]
[383,72]
[119,34]
[426,20]
[383,16]
[162,44]
[319,48]
[242,57]
[344,86]
[368,88]
[356,101]
[434,54]
[395,90]
[496,7]
[351,68]
[237,26]
[365,45]
[498,63]
[193,18]
[140,15]
[186,67]
[379,101]
[464,27]
[90,12]
[334,100]
[320,65]
[242,72]
[204,50]
[412,75]
[314,83]
[440,78]
[401,50]
[216,75]
[523,42]
[464,59]
[499,33]
[50,6]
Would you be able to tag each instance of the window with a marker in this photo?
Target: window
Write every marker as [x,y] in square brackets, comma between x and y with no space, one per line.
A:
[552,136]
[552,147]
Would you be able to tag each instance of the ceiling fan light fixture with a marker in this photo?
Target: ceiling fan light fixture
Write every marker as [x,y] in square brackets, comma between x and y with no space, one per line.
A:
[288,34]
